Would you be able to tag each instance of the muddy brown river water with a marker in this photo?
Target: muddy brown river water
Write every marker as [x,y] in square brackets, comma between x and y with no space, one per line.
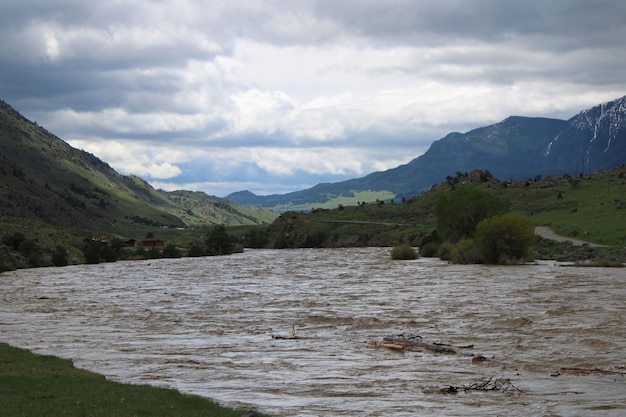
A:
[204,326]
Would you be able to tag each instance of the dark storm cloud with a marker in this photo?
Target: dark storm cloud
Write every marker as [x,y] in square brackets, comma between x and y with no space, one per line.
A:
[560,24]
[347,86]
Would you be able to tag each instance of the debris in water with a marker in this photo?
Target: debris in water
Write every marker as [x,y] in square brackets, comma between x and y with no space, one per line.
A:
[291,336]
[587,371]
[413,343]
[492,384]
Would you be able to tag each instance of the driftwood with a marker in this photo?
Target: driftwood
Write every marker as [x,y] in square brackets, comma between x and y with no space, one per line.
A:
[414,343]
[587,371]
[493,384]
[291,336]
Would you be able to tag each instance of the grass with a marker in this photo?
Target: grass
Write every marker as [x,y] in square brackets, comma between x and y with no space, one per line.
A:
[334,202]
[33,385]
[369,225]
[591,208]
[600,262]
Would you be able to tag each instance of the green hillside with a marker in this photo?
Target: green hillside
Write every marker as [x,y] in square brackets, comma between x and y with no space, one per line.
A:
[52,194]
[198,208]
[587,207]
[43,179]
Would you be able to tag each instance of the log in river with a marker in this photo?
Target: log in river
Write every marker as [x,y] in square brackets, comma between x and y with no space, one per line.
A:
[414,343]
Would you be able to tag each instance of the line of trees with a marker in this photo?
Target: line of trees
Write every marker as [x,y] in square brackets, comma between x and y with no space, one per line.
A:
[18,252]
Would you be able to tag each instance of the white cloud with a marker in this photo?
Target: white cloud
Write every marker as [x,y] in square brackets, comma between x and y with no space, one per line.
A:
[136,158]
[232,91]
[259,111]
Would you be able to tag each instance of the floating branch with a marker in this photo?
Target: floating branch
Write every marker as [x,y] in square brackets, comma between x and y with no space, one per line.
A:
[413,343]
[291,336]
[586,371]
[493,384]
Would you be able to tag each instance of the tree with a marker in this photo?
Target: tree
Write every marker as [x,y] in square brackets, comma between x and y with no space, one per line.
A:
[196,251]
[219,242]
[91,250]
[108,254]
[59,256]
[505,238]
[118,247]
[13,240]
[171,251]
[153,253]
[256,238]
[459,212]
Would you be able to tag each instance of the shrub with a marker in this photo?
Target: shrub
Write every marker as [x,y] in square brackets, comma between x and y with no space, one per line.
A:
[7,262]
[429,249]
[466,252]
[403,251]
[505,238]
[196,251]
[171,251]
[445,250]
[314,240]
[153,253]
[13,240]
[59,256]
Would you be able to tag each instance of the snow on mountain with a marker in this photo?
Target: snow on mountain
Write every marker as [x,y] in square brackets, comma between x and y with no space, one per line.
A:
[594,139]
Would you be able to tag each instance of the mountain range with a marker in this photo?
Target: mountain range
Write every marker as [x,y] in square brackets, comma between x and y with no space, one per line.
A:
[515,148]
[44,180]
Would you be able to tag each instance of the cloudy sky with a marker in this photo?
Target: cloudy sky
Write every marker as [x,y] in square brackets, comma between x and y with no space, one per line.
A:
[276,96]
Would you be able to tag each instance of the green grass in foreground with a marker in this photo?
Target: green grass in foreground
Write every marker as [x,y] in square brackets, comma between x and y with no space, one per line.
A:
[33,385]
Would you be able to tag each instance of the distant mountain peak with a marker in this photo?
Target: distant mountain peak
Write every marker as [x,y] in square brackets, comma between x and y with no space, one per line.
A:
[594,139]
[607,116]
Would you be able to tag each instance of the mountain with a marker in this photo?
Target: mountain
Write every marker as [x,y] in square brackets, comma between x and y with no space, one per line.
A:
[43,179]
[515,148]
[511,148]
[593,140]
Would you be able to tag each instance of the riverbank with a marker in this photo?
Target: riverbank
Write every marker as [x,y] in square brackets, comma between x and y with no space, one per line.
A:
[34,385]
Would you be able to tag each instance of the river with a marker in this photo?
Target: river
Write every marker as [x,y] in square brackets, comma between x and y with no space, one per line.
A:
[553,337]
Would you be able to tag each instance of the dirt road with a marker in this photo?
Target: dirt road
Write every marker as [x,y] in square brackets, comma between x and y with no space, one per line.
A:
[547,233]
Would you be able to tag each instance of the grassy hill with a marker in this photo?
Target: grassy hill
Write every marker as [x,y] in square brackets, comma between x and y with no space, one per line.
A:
[588,207]
[54,194]
[44,179]
[198,208]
